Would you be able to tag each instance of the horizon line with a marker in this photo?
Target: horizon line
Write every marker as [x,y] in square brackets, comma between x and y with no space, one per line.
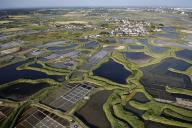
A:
[117,6]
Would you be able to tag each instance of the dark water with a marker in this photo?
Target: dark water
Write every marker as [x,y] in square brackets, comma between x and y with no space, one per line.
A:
[159,75]
[136,47]
[55,48]
[82,118]
[144,41]
[168,116]
[92,113]
[83,40]
[182,96]
[172,44]
[170,32]
[168,29]
[62,48]
[71,46]
[36,65]
[140,97]
[133,110]
[185,54]
[21,91]
[91,45]
[158,91]
[150,124]
[147,124]
[113,71]
[136,55]
[112,40]
[156,49]
[9,73]
[173,63]
[125,40]
[171,35]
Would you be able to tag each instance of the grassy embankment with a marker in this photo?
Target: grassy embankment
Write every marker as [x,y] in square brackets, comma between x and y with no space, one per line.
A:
[153,110]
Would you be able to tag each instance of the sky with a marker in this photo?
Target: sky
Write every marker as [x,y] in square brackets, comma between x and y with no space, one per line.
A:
[76,3]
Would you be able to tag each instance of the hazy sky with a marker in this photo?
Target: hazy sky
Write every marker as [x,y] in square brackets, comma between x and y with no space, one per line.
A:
[64,3]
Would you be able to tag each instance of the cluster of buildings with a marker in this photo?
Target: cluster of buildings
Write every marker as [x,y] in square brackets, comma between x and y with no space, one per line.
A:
[182,11]
[130,27]
[73,27]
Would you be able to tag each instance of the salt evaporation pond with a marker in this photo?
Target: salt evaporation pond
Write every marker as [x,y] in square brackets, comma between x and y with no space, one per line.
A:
[113,71]
[91,45]
[185,54]
[9,73]
[158,75]
[137,57]
[136,47]
[156,49]
[92,113]
[21,91]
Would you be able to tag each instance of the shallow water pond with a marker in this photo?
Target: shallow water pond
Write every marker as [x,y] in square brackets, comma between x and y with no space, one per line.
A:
[185,54]
[136,47]
[136,55]
[91,45]
[159,75]
[9,73]
[156,49]
[92,113]
[171,35]
[144,41]
[36,65]
[21,91]
[113,71]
